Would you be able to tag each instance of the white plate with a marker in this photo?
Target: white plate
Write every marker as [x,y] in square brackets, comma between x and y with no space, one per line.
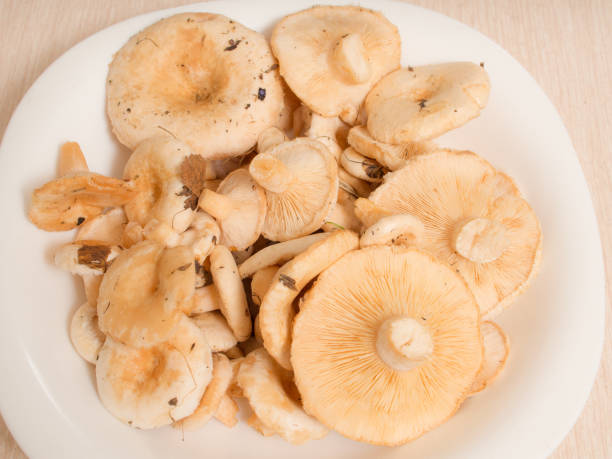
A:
[47,392]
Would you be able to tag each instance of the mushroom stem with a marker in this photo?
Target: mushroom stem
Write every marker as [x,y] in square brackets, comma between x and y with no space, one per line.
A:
[480,240]
[71,159]
[270,173]
[351,59]
[403,343]
[217,205]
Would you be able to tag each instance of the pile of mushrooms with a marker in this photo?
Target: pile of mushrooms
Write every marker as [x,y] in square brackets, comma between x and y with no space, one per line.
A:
[287,231]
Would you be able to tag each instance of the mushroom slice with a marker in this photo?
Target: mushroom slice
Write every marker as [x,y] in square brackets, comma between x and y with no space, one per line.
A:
[496,349]
[227,412]
[361,167]
[169,179]
[202,77]
[330,56]
[79,195]
[276,312]
[233,303]
[369,213]
[352,185]
[277,253]
[205,299]
[390,337]
[239,206]
[214,393]
[218,334]
[265,384]
[301,182]
[261,282]
[85,335]
[401,229]
[393,157]
[86,257]
[420,103]
[342,215]
[108,227]
[149,387]
[142,293]
[475,220]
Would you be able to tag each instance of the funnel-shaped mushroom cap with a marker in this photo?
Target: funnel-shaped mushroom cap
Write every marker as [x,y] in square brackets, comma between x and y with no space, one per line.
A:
[330,56]
[386,345]
[475,219]
[420,103]
[301,182]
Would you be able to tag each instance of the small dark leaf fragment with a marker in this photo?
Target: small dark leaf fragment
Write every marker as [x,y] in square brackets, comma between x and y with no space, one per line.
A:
[183,267]
[422,104]
[93,256]
[80,220]
[173,401]
[287,281]
[232,45]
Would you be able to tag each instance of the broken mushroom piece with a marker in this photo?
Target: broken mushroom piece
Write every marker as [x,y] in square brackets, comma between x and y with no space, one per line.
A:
[239,206]
[142,293]
[77,196]
[216,331]
[475,219]
[86,257]
[85,335]
[496,349]
[276,312]
[203,78]
[330,56]
[370,344]
[301,182]
[392,157]
[361,167]
[402,229]
[419,103]
[265,384]
[233,302]
[149,387]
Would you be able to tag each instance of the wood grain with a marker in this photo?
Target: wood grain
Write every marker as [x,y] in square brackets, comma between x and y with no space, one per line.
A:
[565,45]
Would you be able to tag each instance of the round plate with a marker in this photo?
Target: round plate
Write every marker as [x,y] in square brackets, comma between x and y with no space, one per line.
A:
[48,395]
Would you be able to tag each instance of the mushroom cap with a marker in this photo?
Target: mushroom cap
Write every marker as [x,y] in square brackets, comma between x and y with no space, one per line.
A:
[419,103]
[85,335]
[276,311]
[306,45]
[344,381]
[107,227]
[148,387]
[260,284]
[496,350]
[447,188]
[352,185]
[312,186]
[206,79]
[362,167]
[264,383]
[218,334]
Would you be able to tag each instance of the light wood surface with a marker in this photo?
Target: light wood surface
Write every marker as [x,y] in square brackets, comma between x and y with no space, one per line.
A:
[564,44]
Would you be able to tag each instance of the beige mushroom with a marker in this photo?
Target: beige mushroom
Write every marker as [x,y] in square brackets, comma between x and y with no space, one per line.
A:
[392,157]
[205,299]
[218,334]
[352,185]
[475,220]
[227,412]
[143,292]
[260,283]
[269,138]
[201,77]
[239,206]
[330,131]
[276,312]
[234,353]
[496,349]
[233,303]
[387,336]
[148,387]
[234,389]
[401,229]
[86,257]
[85,335]
[361,167]
[202,236]
[420,103]
[301,182]
[290,104]
[132,235]
[342,215]
[259,426]
[77,196]
[277,254]
[330,56]
[264,384]
[369,213]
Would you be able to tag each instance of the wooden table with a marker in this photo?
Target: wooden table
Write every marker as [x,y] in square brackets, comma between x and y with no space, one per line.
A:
[564,44]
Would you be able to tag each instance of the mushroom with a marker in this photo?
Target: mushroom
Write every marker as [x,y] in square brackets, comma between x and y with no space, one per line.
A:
[276,312]
[401,229]
[386,345]
[475,220]
[77,195]
[277,253]
[420,103]
[270,137]
[86,257]
[85,335]
[227,412]
[257,331]
[201,236]
[301,182]
[234,353]
[132,235]
[392,157]
[496,349]
[148,387]
[216,331]
[342,215]
[143,292]
[352,185]
[233,303]
[201,77]
[330,56]
[260,283]
[214,393]
[264,384]
[259,426]
[290,104]
[205,299]
[330,131]
[369,213]
[234,389]
[239,206]
[361,167]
